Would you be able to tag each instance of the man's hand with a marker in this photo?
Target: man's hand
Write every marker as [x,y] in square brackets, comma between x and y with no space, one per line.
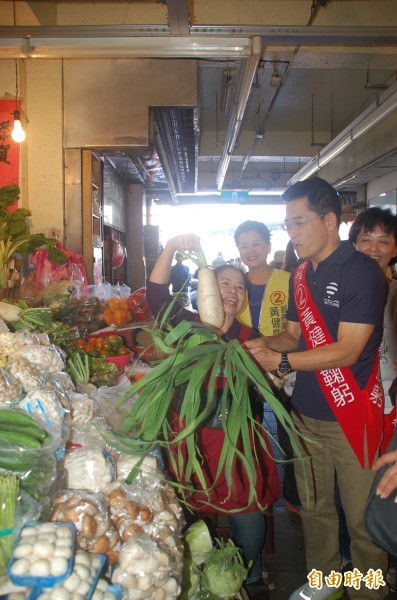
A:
[388,483]
[258,349]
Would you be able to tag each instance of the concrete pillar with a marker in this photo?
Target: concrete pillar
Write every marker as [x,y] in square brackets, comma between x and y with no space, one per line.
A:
[136,266]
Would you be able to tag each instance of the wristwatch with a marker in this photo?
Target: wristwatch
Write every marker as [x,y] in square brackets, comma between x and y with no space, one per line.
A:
[284,367]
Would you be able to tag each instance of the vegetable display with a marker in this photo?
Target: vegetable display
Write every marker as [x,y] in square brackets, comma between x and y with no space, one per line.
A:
[27,318]
[198,541]
[84,369]
[117,312]
[27,451]
[55,463]
[43,552]
[9,487]
[81,581]
[195,356]
[15,234]
[79,368]
[211,570]
[138,306]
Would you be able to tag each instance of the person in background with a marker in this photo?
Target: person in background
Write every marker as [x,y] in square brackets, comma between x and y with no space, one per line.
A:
[374,232]
[291,260]
[267,293]
[218,260]
[264,308]
[179,276]
[238,263]
[278,259]
[247,525]
[334,328]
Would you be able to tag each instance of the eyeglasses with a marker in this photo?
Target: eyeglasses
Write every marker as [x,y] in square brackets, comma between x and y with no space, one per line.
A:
[298,223]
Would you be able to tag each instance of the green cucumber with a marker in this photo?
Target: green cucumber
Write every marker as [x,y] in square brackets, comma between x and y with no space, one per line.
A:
[16,420]
[16,416]
[28,429]
[16,466]
[22,440]
[15,460]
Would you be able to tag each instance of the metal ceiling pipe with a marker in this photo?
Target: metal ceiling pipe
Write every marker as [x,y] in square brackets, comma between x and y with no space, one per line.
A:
[247,72]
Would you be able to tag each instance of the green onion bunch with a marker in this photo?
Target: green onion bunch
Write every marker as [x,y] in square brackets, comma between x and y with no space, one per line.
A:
[195,354]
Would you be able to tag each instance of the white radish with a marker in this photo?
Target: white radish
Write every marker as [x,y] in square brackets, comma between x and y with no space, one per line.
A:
[209,301]
[9,312]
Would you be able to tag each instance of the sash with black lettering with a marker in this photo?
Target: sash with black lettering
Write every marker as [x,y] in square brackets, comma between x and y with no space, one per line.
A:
[359,412]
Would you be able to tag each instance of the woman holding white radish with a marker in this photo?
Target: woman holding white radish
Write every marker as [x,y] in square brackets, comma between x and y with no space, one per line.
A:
[221,294]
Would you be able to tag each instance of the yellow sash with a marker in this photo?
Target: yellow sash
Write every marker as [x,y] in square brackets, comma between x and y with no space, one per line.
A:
[274,305]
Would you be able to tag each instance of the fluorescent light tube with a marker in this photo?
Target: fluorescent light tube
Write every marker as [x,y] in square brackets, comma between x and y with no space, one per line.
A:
[246,78]
[333,149]
[385,105]
[144,47]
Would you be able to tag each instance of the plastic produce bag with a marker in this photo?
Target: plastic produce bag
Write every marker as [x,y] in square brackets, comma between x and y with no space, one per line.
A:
[135,508]
[10,390]
[49,411]
[145,567]
[46,271]
[89,513]
[91,466]
[33,461]
[106,397]
[49,358]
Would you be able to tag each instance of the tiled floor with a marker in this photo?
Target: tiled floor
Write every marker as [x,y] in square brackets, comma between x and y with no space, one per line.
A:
[286,567]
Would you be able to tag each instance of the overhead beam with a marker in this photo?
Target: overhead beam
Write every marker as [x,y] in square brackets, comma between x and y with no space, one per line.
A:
[271,35]
[178,17]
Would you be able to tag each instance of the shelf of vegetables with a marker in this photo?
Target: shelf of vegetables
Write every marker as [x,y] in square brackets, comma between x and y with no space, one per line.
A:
[56,467]
[82,441]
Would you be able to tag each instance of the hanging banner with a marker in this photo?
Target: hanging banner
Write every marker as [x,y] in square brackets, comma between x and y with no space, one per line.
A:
[9,150]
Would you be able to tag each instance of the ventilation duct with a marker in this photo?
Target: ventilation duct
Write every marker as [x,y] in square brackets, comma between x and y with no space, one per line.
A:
[176,143]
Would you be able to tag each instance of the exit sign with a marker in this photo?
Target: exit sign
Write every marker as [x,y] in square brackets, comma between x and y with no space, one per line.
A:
[234,197]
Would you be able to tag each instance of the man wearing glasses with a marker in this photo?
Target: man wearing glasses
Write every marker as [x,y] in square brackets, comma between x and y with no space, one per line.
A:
[334,328]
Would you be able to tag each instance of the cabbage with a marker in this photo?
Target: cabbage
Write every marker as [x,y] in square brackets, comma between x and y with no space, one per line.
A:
[224,570]
[198,542]
[190,579]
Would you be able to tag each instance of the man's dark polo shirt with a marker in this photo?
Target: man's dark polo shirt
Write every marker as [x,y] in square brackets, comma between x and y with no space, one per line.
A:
[347,286]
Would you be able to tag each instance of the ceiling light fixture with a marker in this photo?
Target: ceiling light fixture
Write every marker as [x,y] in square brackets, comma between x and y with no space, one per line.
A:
[17,134]
[245,79]
[378,111]
[140,47]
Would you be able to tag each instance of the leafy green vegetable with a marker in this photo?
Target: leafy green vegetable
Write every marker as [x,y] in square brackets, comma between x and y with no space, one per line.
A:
[15,236]
[211,571]
[190,579]
[198,541]
[224,570]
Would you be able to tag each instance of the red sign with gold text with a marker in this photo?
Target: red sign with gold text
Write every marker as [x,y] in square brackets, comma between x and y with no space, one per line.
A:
[9,150]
